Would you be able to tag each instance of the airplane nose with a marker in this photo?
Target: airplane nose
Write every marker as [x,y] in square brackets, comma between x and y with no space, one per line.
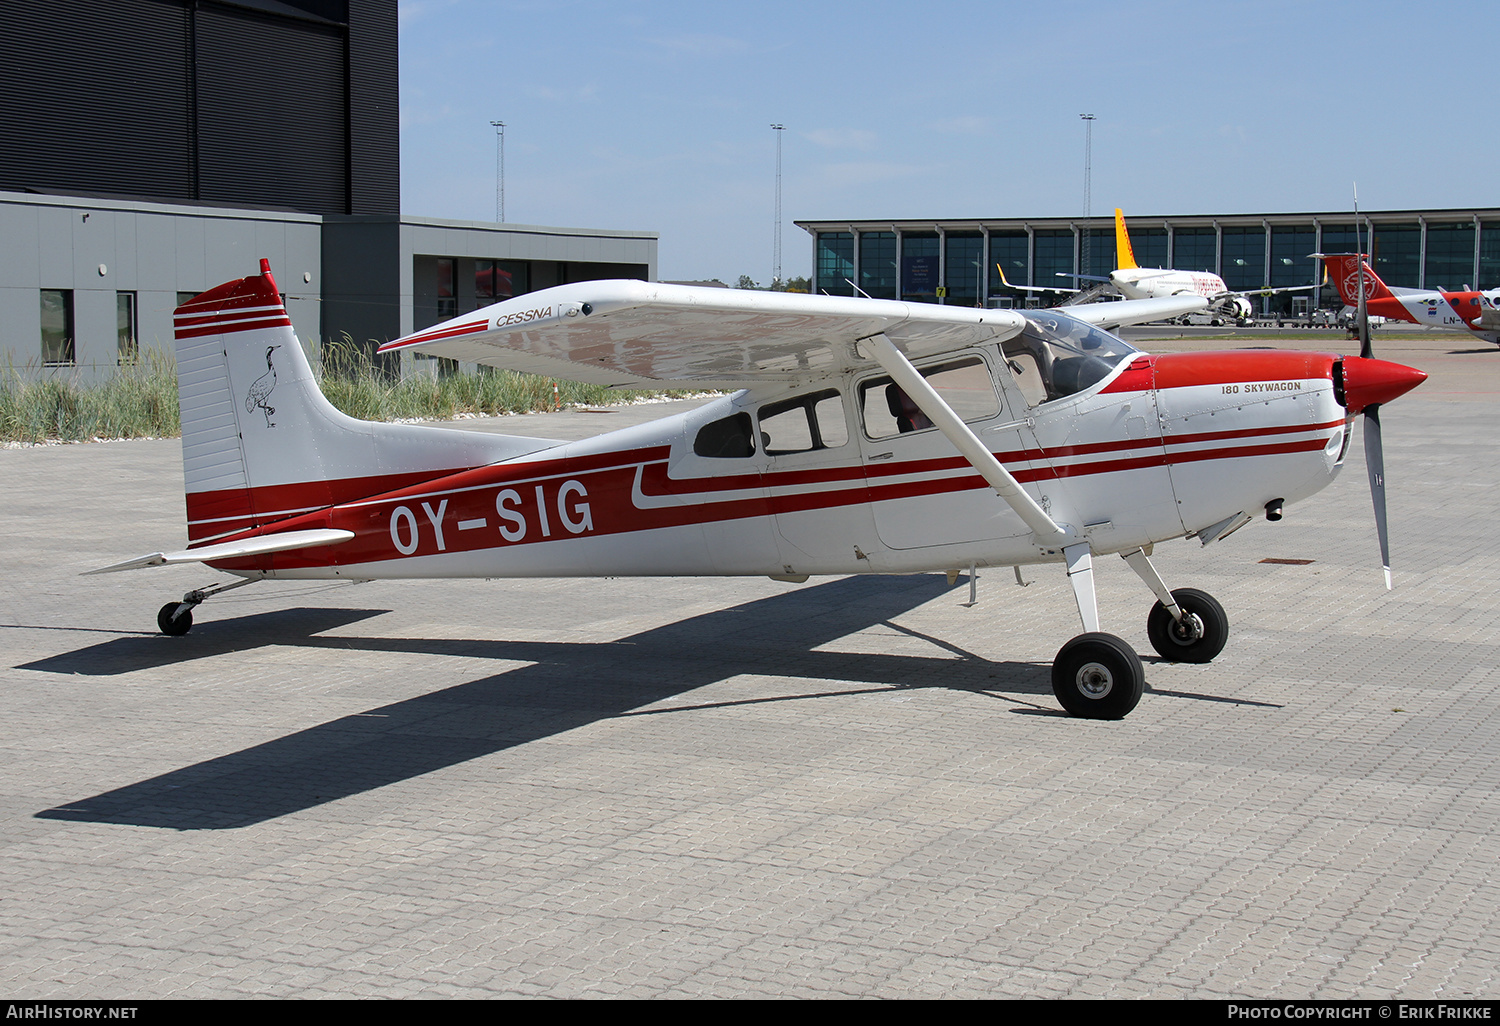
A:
[1368,382]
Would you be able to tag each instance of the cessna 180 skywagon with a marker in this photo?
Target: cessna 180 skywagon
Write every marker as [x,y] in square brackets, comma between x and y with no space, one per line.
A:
[1465,310]
[864,436]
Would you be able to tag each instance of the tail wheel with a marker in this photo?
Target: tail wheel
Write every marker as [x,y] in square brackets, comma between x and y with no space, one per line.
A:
[172,622]
[1098,677]
[1201,634]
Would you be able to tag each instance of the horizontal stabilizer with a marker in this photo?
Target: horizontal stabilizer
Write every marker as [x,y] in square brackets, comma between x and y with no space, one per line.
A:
[257,546]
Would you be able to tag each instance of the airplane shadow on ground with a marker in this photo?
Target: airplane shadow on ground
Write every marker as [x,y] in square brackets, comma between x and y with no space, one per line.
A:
[565,685]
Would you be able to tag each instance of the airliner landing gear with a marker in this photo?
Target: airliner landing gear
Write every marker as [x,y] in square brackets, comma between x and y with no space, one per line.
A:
[176,618]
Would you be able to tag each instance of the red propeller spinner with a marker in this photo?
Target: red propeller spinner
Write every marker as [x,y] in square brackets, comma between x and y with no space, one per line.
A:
[1369,382]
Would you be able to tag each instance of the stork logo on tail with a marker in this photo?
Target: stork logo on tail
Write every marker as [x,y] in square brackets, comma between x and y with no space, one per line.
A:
[261,390]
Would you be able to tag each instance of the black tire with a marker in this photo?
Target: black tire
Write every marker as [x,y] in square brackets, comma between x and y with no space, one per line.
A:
[175,627]
[1098,677]
[1173,644]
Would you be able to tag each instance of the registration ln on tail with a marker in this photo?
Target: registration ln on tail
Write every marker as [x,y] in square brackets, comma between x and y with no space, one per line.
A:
[860,437]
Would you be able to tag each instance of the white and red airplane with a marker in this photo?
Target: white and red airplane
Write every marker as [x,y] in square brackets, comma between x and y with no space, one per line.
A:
[1471,310]
[1136,282]
[865,436]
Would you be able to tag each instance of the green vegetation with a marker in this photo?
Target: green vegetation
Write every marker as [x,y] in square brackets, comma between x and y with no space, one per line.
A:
[140,399]
[789,285]
[355,384]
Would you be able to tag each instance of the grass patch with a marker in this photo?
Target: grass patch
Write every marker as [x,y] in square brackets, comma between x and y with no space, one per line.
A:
[355,384]
[140,399]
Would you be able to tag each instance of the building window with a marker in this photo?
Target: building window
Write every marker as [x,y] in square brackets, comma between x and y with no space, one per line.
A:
[498,280]
[877,264]
[1149,245]
[1195,249]
[1489,255]
[962,263]
[1008,252]
[57,328]
[1398,254]
[1096,252]
[835,268]
[1290,266]
[919,267]
[1245,258]
[1450,256]
[1054,258]
[125,327]
[184,298]
[447,288]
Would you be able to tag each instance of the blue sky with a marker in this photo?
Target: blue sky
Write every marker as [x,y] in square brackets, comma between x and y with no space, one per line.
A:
[656,115]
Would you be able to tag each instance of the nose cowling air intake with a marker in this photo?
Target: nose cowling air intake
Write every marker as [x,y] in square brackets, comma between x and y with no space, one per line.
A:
[1366,382]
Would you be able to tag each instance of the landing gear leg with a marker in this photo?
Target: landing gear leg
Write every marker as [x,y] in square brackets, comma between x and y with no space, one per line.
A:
[1096,676]
[176,618]
[1186,625]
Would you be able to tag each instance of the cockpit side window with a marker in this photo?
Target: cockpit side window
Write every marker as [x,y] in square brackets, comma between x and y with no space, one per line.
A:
[1057,356]
[729,438]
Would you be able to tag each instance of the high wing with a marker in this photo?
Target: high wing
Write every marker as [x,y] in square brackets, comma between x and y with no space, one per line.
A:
[1110,316]
[634,334]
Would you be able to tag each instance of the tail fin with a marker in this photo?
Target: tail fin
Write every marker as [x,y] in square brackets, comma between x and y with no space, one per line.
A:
[1124,254]
[1343,268]
[259,440]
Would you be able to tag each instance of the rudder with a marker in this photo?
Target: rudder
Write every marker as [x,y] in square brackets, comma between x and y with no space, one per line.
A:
[1343,268]
[260,442]
[1124,253]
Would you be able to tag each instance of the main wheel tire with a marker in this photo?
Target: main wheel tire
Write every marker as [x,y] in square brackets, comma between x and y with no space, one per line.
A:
[177,626]
[1177,645]
[1098,677]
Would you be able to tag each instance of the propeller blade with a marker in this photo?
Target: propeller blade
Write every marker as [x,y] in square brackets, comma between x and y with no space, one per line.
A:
[1375,465]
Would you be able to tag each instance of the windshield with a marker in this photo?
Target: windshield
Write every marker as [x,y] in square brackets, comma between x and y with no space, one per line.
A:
[1057,356]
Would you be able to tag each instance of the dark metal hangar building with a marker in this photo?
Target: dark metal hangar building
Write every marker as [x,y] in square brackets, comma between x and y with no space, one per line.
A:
[151,149]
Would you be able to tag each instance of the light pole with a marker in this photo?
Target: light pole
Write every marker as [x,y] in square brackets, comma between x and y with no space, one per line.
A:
[776,262]
[1088,197]
[499,170]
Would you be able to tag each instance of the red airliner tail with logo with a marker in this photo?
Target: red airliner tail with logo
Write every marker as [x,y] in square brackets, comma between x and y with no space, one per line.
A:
[1343,268]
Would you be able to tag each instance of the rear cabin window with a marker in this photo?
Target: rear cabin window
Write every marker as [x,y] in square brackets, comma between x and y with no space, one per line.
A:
[728,439]
[964,384]
[808,422]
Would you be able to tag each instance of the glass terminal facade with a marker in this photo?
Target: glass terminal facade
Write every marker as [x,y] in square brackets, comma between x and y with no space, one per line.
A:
[979,262]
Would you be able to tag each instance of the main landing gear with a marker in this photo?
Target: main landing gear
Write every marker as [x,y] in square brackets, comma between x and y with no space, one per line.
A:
[1099,676]
[176,618]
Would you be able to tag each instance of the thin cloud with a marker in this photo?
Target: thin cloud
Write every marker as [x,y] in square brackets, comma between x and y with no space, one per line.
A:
[842,138]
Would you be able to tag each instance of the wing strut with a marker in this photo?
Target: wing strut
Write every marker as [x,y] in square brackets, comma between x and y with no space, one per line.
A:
[910,380]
